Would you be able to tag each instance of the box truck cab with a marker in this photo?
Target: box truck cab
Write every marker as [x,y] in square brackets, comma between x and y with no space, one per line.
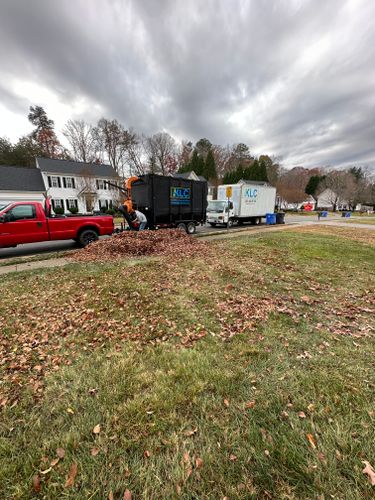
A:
[249,201]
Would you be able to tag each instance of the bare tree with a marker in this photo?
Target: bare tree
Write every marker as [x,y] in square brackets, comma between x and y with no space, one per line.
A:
[110,137]
[161,149]
[222,156]
[291,185]
[87,188]
[82,141]
[335,183]
[134,152]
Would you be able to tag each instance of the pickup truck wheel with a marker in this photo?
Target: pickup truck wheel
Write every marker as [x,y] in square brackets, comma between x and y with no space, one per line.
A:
[190,228]
[86,237]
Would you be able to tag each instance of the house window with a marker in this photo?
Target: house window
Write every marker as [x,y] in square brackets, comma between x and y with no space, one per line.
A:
[69,182]
[22,212]
[72,204]
[54,181]
[100,184]
[57,204]
[103,204]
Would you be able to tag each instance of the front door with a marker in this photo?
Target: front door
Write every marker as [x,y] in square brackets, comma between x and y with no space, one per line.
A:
[22,226]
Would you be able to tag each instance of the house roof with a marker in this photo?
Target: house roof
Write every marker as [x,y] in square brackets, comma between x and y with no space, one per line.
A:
[53,166]
[246,181]
[21,179]
[191,175]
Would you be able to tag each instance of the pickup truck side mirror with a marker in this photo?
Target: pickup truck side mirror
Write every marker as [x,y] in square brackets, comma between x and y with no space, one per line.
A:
[3,218]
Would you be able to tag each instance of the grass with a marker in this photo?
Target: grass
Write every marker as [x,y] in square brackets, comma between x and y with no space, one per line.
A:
[186,409]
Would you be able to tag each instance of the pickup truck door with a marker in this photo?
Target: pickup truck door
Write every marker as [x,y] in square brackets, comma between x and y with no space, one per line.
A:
[22,225]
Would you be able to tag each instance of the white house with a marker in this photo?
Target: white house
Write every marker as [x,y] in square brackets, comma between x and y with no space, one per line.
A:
[20,184]
[70,184]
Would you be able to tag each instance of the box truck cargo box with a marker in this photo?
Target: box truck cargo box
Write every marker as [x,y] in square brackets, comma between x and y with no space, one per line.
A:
[247,202]
[171,201]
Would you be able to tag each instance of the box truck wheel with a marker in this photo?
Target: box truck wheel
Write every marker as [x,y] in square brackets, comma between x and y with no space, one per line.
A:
[230,223]
[212,224]
[190,228]
[181,226]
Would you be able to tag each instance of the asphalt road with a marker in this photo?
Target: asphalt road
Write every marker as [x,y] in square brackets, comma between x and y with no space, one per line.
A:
[62,246]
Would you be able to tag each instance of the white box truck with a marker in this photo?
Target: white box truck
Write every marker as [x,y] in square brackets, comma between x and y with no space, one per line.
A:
[249,201]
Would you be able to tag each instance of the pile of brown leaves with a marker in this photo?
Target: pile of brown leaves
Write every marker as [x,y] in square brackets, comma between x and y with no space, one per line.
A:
[170,242]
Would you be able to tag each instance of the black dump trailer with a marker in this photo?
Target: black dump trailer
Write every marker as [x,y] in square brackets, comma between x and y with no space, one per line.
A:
[170,201]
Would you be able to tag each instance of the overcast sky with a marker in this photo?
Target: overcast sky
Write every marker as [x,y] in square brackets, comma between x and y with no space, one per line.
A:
[292,78]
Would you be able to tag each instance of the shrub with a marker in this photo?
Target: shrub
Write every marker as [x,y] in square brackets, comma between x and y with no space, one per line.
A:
[73,210]
[58,210]
[110,211]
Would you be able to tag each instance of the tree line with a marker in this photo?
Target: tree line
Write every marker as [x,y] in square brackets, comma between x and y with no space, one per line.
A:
[131,153]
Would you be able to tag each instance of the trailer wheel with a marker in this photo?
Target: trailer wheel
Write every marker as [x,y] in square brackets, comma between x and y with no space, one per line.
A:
[190,228]
[86,237]
[181,226]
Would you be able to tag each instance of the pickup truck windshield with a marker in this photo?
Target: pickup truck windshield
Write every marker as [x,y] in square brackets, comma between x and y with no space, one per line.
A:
[3,206]
[216,206]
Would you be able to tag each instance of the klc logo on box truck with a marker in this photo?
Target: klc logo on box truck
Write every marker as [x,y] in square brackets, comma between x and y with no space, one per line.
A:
[251,193]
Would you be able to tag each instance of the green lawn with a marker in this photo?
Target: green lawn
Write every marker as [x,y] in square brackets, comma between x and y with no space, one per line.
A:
[247,373]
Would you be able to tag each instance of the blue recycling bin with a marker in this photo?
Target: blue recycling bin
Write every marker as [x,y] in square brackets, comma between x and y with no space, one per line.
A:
[270,219]
[347,215]
[324,214]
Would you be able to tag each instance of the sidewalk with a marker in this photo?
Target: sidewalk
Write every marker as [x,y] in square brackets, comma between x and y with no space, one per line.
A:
[30,266]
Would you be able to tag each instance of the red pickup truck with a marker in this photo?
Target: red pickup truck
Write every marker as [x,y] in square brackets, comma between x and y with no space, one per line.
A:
[27,222]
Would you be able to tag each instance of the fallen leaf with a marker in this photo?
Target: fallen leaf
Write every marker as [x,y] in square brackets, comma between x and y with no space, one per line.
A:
[36,483]
[192,432]
[44,472]
[110,495]
[369,471]
[127,495]
[147,454]
[311,440]
[186,457]
[69,410]
[250,404]
[94,451]
[60,452]
[232,458]
[198,463]
[226,402]
[301,414]
[284,414]
[54,462]
[96,429]
[71,476]
[267,453]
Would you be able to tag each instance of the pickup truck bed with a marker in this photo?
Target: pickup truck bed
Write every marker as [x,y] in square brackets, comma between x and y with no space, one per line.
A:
[26,222]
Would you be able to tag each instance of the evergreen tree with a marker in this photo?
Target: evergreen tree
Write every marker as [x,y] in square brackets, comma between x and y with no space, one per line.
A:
[262,171]
[209,171]
[196,163]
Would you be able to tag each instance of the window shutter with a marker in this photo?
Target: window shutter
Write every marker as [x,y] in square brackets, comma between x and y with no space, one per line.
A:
[64,182]
[97,184]
[53,204]
[59,182]
[73,183]
[49,181]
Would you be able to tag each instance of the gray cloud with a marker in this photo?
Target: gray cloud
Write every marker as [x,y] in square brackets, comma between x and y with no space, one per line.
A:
[292,78]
